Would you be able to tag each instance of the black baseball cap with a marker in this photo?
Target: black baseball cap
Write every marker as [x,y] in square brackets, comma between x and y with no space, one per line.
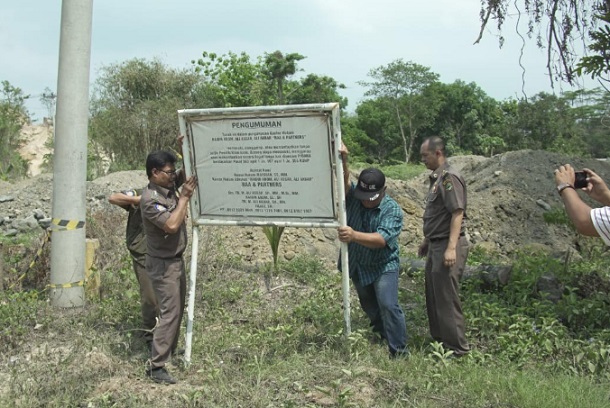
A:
[370,184]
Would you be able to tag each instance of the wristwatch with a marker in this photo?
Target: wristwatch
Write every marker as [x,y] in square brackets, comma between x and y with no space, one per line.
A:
[563,186]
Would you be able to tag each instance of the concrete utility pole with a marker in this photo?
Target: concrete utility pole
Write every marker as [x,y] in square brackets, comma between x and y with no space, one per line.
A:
[70,157]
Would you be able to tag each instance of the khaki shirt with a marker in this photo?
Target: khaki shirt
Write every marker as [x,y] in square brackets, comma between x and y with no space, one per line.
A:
[134,233]
[446,194]
[157,204]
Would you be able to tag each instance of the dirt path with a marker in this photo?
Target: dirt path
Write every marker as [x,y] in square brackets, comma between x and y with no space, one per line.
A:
[33,147]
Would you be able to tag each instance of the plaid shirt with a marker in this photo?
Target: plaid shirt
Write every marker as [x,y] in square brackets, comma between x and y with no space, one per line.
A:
[365,264]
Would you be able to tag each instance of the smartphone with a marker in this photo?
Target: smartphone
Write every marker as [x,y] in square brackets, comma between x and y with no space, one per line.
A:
[581,179]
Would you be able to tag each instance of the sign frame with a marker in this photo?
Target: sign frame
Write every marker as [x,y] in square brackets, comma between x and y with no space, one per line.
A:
[331,111]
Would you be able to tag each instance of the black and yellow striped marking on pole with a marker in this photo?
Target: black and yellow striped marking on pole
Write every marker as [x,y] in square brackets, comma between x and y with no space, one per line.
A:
[66,285]
[58,224]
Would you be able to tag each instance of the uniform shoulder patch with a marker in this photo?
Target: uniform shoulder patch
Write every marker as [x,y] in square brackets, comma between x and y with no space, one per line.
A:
[447,184]
[160,207]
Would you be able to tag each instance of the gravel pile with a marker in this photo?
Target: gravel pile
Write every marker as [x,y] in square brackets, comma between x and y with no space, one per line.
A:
[508,195]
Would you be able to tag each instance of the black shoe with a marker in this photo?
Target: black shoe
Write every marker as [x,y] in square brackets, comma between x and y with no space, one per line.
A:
[455,355]
[400,355]
[160,375]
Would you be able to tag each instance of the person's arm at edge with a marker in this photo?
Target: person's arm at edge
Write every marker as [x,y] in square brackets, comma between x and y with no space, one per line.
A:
[180,174]
[123,200]
[579,212]
[344,153]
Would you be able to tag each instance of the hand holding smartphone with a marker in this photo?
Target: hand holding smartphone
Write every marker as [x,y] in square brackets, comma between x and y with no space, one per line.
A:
[580,180]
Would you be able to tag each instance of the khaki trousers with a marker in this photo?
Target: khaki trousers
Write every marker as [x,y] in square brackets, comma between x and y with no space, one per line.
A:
[168,278]
[443,295]
[148,300]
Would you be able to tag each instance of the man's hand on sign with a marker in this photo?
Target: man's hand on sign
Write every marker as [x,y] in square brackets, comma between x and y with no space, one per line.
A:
[189,187]
[346,234]
[343,150]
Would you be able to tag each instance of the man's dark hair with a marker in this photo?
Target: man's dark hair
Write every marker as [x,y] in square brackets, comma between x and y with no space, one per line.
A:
[436,143]
[158,160]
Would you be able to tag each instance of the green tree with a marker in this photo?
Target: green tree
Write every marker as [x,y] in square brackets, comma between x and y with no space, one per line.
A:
[235,80]
[402,85]
[279,67]
[231,80]
[591,109]
[13,115]
[133,109]
[546,122]
[354,137]
[317,89]
[376,119]
[597,65]
[465,116]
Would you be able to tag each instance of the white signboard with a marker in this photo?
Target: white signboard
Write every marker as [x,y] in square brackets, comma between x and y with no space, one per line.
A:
[262,166]
[274,165]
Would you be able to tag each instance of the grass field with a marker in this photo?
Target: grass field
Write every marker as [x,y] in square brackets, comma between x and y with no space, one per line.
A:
[281,344]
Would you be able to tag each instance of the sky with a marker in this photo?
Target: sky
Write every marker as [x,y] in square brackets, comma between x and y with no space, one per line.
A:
[343,39]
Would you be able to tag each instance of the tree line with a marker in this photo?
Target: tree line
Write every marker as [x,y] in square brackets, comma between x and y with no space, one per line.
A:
[134,103]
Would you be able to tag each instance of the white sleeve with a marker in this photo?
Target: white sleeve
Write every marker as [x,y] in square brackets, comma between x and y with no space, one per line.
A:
[601,221]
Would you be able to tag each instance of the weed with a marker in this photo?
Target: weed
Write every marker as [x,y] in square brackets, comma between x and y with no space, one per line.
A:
[274,236]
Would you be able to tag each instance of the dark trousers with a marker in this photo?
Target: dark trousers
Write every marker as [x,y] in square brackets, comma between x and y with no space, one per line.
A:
[148,300]
[443,295]
[168,278]
[379,300]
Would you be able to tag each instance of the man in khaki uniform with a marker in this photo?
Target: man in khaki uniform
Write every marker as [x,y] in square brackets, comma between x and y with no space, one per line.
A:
[446,247]
[164,218]
[136,244]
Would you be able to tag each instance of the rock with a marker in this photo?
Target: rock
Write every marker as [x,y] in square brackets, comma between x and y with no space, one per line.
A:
[549,287]
[25,224]
[409,265]
[491,275]
[289,255]
[39,214]
[543,204]
[45,222]
[6,199]
[10,232]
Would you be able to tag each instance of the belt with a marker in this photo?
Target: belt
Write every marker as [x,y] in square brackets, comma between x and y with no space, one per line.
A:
[442,238]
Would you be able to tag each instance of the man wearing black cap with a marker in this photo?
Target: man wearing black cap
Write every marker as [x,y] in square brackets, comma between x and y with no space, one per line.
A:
[374,223]
[445,246]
